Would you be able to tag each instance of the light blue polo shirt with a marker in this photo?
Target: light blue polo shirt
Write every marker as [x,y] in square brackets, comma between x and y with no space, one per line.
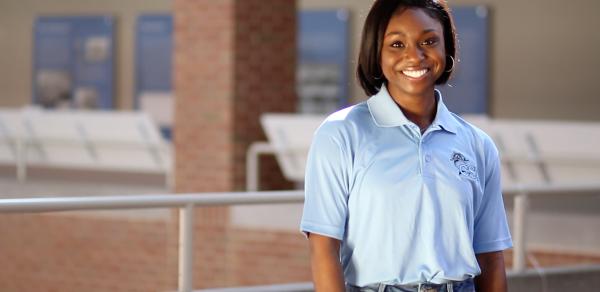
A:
[409,208]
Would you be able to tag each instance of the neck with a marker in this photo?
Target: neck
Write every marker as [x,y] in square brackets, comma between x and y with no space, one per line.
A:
[420,110]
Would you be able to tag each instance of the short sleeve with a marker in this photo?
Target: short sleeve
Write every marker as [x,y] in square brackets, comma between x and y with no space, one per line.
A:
[491,232]
[326,186]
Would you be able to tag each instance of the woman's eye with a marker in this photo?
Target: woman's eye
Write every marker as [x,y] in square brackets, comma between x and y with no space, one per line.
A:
[430,42]
[397,45]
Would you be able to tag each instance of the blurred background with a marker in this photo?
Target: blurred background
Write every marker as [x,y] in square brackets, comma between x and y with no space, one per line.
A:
[105,98]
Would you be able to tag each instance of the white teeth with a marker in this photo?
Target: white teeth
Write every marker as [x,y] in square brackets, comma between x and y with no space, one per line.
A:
[415,73]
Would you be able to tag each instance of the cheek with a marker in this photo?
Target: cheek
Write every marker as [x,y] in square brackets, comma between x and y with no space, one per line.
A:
[387,62]
[441,63]
[441,68]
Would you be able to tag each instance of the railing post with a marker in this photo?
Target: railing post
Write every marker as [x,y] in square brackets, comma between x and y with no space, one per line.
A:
[253,164]
[520,221]
[252,168]
[21,158]
[186,247]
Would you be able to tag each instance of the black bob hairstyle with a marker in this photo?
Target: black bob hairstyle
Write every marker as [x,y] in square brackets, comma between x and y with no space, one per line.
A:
[369,71]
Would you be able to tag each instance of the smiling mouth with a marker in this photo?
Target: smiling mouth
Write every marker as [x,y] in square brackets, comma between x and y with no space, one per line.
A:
[415,73]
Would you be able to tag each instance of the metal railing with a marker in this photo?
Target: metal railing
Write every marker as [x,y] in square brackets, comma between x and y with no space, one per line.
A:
[187,202]
[521,197]
[521,192]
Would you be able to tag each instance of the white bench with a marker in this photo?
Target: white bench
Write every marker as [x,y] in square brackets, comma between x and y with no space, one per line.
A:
[90,140]
[532,152]
[538,157]
[545,152]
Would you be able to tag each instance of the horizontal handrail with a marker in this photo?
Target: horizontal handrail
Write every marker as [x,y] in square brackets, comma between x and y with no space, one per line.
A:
[186,202]
[559,158]
[104,143]
[548,188]
[48,204]
[147,201]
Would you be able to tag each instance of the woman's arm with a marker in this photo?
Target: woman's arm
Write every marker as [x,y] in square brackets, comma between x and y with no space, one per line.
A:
[325,262]
[493,274]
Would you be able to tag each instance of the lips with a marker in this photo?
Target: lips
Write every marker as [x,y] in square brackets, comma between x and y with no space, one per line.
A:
[415,73]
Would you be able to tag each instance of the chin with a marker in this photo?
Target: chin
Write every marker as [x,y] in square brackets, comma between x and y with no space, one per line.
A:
[412,90]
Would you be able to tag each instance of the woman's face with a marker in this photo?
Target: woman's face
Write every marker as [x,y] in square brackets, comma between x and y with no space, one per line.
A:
[413,56]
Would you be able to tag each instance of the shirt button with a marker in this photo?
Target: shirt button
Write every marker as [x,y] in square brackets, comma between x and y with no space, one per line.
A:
[427,158]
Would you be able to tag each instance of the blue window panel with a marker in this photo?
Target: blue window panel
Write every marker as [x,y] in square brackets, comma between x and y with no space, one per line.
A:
[467,91]
[154,48]
[52,76]
[93,64]
[53,44]
[323,60]
[73,62]
[153,62]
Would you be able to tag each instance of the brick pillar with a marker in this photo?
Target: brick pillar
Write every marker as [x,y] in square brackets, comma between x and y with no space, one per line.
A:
[265,77]
[233,60]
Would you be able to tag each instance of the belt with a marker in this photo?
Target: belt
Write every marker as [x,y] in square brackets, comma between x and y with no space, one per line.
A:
[421,287]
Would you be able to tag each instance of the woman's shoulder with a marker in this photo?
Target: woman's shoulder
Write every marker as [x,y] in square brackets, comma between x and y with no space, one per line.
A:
[345,121]
[475,133]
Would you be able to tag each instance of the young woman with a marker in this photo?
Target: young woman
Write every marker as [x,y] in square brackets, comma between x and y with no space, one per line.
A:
[402,194]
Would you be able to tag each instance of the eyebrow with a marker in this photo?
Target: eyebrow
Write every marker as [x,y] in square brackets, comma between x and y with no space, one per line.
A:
[403,34]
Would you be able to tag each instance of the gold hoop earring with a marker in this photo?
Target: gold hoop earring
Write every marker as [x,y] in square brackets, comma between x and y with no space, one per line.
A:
[453,63]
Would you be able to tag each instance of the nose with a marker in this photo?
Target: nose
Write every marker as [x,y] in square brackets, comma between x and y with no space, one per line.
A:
[414,54]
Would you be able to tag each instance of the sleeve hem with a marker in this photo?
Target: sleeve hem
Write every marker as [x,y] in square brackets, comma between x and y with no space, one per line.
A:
[329,231]
[496,245]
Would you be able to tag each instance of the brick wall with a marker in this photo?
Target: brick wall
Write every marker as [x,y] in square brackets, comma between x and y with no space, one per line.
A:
[267,257]
[233,61]
[203,87]
[265,77]
[76,253]
[65,253]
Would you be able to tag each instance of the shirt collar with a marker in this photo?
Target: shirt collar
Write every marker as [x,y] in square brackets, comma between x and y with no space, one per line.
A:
[386,113]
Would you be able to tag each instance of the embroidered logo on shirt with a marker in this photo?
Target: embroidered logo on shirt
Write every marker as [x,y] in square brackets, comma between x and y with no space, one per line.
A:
[465,167]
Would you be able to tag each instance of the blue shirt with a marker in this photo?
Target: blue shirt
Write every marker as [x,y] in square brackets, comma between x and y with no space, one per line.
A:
[408,207]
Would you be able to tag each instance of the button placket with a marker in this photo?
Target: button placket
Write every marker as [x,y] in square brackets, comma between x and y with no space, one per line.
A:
[420,153]
[414,131]
[426,158]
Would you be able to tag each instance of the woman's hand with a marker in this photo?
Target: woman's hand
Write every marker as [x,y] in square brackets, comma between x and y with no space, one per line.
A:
[493,274]
[325,261]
